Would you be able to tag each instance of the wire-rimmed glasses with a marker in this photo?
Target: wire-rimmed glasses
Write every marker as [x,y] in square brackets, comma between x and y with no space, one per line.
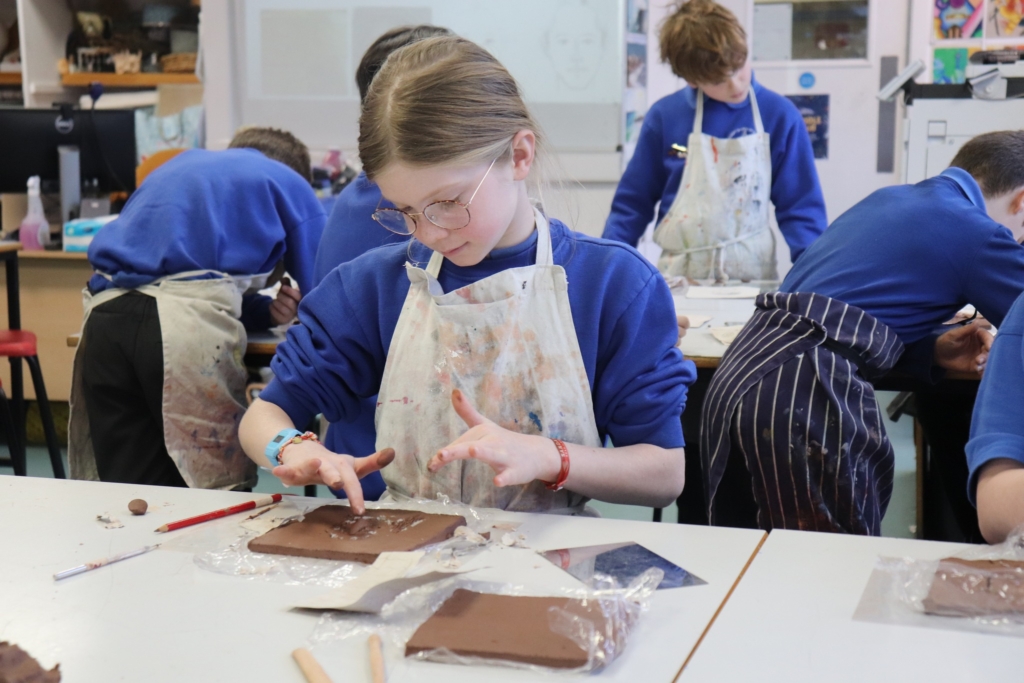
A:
[448,214]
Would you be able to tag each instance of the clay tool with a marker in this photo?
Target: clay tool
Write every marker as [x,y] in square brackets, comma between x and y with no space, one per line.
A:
[311,668]
[96,564]
[217,514]
[376,658]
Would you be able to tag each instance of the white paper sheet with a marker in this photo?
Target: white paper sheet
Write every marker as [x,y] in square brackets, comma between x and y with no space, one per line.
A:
[739,292]
[726,335]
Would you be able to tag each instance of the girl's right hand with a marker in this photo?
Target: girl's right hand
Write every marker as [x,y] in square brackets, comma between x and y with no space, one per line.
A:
[310,462]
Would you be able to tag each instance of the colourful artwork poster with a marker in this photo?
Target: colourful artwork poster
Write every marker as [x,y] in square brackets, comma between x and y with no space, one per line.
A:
[814,109]
[958,19]
[1005,19]
[949,65]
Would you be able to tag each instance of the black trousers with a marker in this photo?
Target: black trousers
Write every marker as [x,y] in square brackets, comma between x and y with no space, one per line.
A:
[122,373]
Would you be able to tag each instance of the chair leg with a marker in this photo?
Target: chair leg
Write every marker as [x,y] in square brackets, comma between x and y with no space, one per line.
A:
[13,442]
[47,417]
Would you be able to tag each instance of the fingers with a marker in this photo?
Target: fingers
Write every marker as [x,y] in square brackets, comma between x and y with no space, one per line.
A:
[372,463]
[466,451]
[300,473]
[289,293]
[286,281]
[683,322]
[986,338]
[353,489]
[465,410]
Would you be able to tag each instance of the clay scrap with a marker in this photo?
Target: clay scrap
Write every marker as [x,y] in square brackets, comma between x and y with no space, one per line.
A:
[18,666]
[975,588]
[468,624]
[333,532]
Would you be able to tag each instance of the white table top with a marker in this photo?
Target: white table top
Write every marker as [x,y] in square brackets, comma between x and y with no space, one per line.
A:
[791,617]
[159,617]
[698,342]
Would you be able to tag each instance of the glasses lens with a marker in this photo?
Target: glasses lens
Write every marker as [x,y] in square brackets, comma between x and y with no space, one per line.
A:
[447,215]
[394,220]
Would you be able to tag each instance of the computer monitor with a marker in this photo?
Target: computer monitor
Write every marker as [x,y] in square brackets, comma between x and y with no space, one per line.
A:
[29,139]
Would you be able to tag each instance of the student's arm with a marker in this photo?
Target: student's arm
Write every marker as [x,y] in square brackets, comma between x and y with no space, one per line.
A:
[640,187]
[639,394]
[995,453]
[307,462]
[796,192]
[256,312]
[993,276]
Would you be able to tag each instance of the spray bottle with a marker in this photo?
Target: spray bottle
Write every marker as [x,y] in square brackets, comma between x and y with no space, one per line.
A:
[34,232]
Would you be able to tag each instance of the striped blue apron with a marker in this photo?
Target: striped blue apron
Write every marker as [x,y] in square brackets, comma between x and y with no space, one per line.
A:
[792,398]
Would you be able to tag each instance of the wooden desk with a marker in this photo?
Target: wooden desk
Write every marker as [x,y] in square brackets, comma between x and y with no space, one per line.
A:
[791,619]
[260,348]
[160,617]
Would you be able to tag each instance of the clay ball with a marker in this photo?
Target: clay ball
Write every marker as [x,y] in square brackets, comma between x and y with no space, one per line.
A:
[138,507]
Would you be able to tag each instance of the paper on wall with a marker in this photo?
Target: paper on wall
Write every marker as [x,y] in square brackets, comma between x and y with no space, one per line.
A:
[382,582]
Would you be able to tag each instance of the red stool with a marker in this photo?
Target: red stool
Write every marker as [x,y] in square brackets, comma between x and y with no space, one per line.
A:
[16,344]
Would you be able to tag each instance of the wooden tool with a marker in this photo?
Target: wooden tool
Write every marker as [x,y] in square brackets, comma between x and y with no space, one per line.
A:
[311,668]
[217,514]
[376,658]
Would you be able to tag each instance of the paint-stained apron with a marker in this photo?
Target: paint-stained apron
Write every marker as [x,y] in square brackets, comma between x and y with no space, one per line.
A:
[719,226]
[203,384]
[509,344]
[792,397]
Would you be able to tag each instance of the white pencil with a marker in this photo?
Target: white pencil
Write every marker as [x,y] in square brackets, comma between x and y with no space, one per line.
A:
[96,564]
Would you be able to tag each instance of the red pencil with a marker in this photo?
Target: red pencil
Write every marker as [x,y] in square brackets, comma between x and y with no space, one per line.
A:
[216,514]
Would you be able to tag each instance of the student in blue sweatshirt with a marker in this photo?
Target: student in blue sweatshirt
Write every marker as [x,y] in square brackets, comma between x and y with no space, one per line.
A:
[790,419]
[503,364]
[713,154]
[158,389]
[995,453]
[351,232]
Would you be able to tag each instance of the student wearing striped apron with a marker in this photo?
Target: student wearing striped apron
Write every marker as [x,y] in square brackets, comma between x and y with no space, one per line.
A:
[792,436]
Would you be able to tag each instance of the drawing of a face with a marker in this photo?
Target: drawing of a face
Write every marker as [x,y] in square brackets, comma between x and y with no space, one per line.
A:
[575,42]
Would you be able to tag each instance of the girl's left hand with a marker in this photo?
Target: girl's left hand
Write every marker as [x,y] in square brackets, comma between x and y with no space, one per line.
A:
[515,458]
[285,306]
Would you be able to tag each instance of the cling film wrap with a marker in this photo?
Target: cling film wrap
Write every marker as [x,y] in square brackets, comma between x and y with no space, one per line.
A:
[222,546]
[980,589]
[621,608]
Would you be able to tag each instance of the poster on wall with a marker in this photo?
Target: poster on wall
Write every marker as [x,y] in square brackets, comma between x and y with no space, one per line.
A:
[949,65]
[1005,19]
[634,99]
[814,109]
[956,19]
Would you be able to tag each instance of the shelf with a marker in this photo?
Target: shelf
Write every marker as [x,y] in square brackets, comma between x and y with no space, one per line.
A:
[10,78]
[43,254]
[142,80]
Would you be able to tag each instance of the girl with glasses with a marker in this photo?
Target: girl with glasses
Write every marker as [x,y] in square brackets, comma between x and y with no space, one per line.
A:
[504,347]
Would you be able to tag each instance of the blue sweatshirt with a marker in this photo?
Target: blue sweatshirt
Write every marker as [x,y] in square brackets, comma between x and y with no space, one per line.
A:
[351,232]
[621,308]
[654,172]
[997,426]
[912,256]
[234,211]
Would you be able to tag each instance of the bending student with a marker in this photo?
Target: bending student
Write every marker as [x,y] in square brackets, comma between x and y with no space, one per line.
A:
[791,431]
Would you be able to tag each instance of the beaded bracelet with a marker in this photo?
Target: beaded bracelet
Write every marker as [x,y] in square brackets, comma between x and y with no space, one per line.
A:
[563,473]
[305,436]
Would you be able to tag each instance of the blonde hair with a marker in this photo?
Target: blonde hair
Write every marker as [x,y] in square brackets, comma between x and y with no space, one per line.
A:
[703,42]
[441,101]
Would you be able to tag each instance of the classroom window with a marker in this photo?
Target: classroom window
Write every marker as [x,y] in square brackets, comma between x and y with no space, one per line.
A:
[810,29]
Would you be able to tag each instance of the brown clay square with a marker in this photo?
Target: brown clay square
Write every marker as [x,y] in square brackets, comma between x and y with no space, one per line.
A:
[505,627]
[972,588]
[332,532]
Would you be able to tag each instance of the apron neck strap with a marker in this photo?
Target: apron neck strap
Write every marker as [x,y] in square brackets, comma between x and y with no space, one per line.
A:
[698,119]
[756,111]
[544,252]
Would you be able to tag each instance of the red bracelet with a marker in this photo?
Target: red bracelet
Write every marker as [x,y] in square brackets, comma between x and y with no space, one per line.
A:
[563,473]
[305,436]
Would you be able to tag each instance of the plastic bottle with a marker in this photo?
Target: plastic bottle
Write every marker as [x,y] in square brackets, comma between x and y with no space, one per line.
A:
[34,231]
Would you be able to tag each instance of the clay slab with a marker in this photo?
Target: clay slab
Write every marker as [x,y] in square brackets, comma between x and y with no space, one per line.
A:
[967,588]
[505,627]
[18,666]
[332,532]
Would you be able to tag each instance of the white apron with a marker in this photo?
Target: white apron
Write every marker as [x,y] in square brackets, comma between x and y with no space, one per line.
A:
[718,227]
[204,381]
[507,342]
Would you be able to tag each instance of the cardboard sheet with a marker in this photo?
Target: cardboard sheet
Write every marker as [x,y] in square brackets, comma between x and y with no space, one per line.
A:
[726,335]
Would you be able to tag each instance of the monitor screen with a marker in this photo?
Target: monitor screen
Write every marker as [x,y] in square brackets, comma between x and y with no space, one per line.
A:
[29,139]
